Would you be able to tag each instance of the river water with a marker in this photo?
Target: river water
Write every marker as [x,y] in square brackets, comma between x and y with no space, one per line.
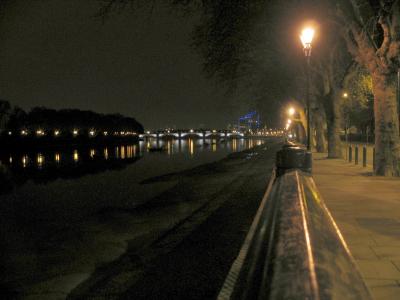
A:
[52,234]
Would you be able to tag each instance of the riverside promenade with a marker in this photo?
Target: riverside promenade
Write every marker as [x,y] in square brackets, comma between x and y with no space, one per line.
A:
[367,211]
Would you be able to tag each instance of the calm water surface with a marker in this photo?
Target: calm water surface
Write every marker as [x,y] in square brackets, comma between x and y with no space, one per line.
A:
[56,215]
[43,167]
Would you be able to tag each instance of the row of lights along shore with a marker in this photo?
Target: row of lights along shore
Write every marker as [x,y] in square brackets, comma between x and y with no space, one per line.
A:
[75,132]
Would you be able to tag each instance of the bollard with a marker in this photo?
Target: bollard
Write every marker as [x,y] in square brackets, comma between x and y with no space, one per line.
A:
[373,158]
[364,156]
[356,155]
[350,154]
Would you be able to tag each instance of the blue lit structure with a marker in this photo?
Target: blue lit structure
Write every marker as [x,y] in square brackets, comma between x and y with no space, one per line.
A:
[250,121]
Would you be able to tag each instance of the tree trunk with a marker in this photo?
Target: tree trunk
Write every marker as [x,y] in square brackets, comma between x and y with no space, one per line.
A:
[387,142]
[333,124]
[320,138]
[319,125]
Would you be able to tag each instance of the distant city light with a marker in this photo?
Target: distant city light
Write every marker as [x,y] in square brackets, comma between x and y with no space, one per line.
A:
[75,132]
[39,132]
[91,132]
[9,133]
[105,133]
[56,132]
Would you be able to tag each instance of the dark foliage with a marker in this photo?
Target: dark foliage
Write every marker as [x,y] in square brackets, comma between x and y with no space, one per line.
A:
[68,119]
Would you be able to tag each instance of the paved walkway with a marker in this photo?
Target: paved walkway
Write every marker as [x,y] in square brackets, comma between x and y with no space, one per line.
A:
[367,210]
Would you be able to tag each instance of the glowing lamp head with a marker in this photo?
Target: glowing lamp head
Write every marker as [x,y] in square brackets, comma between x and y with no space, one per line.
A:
[307,36]
[289,121]
[291,111]
[345,95]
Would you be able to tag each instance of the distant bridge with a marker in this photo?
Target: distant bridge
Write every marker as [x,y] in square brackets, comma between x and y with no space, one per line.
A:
[204,133]
[192,133]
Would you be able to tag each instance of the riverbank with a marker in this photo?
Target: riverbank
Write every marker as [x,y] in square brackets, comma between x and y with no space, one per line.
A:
[56,238]
[367,211]
[190,258]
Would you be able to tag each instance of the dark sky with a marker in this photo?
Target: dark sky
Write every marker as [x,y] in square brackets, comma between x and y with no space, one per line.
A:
[54,53]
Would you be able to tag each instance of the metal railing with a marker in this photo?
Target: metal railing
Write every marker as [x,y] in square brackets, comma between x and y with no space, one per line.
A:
[294,249]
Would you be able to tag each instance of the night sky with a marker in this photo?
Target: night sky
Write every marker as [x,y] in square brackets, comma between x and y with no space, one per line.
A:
[55,53]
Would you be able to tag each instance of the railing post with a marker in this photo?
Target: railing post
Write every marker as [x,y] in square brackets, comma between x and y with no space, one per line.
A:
[293,157]
[364,156]
[350,153]
[356,155]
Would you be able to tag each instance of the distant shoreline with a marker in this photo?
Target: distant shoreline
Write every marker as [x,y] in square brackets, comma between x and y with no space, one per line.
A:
[49,142]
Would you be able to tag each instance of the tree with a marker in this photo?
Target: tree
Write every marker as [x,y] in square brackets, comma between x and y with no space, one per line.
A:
[372,33]
[234,39]
[17,119]
[5,108]
[358,107]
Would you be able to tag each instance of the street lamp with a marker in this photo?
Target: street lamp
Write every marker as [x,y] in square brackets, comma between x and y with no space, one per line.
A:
[306,38]
[291,111]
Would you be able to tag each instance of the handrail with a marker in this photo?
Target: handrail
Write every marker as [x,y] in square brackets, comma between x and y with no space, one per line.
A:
[294,249]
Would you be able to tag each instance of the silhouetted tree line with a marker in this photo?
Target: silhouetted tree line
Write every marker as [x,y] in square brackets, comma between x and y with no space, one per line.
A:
[15,119]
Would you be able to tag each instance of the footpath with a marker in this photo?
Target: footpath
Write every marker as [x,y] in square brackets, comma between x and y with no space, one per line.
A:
[367,211]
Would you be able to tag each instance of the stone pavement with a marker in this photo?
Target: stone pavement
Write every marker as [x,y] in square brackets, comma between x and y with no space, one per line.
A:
[367,211]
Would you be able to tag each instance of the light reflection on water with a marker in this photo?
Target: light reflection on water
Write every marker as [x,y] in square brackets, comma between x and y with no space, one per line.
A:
[190,148]
[76,156]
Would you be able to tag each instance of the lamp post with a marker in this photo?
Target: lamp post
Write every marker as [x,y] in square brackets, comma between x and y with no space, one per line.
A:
[306,38]
[291,111]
